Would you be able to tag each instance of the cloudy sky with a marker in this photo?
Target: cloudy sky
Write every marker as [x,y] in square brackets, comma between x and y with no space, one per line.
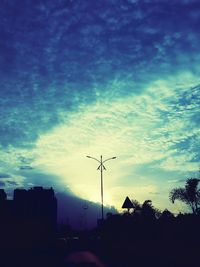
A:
[108,77]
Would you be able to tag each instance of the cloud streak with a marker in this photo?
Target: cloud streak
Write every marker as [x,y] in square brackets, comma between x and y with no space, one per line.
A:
[96,77]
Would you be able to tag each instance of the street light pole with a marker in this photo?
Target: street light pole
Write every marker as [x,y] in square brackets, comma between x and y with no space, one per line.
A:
[101,167]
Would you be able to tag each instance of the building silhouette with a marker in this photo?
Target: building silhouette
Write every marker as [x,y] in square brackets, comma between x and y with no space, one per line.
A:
[29,219]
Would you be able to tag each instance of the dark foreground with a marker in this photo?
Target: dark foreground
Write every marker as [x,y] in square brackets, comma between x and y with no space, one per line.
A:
[121,241]
[177,253]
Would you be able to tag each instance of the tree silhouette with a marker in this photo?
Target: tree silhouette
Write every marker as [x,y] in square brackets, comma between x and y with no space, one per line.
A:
[148,210]
[136,204]
[166,214]
[190,195]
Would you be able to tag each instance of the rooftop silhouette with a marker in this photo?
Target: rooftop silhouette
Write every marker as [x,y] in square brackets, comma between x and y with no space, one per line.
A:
[29,218]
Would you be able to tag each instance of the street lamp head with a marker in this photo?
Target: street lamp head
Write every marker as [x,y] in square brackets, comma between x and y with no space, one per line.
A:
[114,157]
[88,156]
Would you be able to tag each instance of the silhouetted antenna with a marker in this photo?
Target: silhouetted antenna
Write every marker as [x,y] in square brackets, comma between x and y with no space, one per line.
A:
[101,167]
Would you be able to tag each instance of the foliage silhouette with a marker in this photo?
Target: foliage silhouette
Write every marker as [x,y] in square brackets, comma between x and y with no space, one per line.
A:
[146,209]
[166,215]
[137,205]
[190,195]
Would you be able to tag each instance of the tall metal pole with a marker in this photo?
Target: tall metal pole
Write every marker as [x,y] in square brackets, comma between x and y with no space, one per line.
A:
[102,214]
[101,168]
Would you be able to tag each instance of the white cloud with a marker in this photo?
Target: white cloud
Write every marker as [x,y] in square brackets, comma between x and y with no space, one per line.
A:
[139,129]
[131,128]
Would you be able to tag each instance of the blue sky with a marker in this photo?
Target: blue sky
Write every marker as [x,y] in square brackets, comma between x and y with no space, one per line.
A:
[109,77]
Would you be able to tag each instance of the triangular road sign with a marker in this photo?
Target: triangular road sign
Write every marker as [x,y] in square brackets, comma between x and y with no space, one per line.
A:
[127,204]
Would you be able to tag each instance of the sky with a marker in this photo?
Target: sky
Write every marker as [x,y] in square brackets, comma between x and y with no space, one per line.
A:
[117,78]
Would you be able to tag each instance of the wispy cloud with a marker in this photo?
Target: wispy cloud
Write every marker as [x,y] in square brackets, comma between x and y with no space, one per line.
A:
[133,128]
[95,77]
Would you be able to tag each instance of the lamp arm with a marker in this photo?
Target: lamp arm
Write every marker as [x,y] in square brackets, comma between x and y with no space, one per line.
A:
[109,159]
[94,159]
